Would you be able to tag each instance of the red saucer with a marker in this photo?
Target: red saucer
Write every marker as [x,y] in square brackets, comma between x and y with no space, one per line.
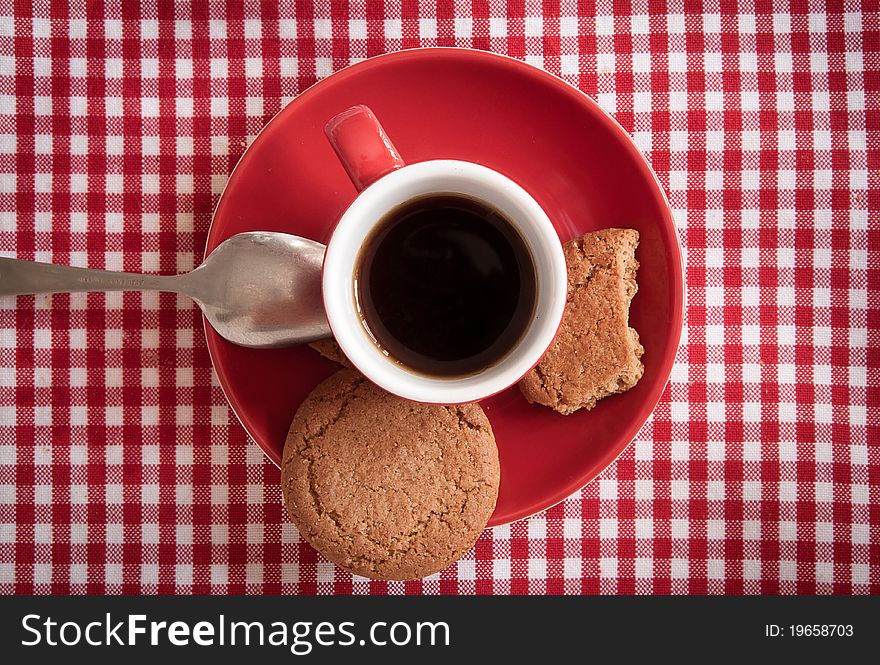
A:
[576,161]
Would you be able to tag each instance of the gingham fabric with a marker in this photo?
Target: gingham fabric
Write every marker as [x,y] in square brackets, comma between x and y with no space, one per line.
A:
[122,470]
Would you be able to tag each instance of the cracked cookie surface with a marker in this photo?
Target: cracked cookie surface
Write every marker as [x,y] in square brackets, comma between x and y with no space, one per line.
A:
[595,353]
[384,487]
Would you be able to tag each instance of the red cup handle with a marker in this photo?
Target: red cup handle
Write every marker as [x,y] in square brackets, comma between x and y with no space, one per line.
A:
[362,146]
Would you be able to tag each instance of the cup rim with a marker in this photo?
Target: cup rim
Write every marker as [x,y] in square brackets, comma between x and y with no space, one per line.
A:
[354,340]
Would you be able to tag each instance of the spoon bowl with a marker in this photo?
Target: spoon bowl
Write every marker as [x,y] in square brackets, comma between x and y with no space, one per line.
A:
[262,290]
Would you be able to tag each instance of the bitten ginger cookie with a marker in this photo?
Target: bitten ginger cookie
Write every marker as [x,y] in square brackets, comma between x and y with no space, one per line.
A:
[384,487]
[595,353]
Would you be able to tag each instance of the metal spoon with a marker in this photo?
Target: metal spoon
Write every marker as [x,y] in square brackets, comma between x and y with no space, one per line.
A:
[257,289]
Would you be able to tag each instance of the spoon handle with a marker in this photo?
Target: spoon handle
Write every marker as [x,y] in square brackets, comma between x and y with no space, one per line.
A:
[19,277]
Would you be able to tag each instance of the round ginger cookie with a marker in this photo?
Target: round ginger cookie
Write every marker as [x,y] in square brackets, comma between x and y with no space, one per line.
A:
[385,487]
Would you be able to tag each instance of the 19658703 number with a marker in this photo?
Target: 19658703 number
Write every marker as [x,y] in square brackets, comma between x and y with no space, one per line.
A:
[809,630]
[820,630]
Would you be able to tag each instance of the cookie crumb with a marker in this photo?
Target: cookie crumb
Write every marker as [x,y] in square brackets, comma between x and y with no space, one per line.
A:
[330,349]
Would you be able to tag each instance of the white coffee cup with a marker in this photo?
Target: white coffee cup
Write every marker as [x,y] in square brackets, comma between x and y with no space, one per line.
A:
[385,182]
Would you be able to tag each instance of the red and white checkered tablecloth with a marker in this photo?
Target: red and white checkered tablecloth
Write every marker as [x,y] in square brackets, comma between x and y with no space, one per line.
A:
[122,470]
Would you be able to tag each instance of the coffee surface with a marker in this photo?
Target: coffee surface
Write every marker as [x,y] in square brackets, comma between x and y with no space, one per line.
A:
[445,285]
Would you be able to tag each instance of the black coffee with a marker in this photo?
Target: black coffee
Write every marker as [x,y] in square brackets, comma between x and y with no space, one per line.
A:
[445,285]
